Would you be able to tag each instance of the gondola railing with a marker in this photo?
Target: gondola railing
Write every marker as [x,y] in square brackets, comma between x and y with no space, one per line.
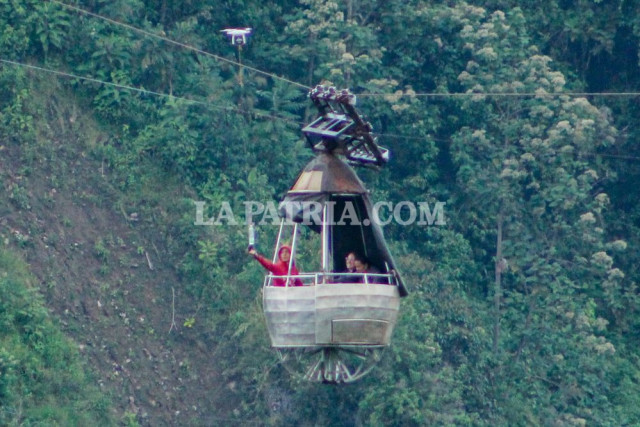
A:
[312,279]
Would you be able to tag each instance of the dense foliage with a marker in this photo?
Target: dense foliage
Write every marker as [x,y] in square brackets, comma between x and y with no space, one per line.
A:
[42,377]
[523,308]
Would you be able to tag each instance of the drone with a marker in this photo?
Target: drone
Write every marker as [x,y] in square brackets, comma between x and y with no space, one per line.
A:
[238,36]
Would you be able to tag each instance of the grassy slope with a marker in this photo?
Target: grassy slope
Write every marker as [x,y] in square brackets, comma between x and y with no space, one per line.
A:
[43,379]
[104,262]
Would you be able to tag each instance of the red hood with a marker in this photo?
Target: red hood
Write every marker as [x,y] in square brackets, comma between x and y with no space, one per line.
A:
[283,247]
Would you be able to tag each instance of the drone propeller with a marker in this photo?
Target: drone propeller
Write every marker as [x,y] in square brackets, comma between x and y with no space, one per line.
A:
[238,36]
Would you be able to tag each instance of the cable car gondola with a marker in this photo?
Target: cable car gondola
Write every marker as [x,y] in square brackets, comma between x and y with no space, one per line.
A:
[333,327]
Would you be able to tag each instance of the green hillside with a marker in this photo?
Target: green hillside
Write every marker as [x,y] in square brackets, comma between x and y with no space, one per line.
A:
[116,117]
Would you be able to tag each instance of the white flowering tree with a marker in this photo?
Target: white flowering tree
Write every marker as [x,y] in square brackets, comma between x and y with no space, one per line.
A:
[332,41]
[530,185]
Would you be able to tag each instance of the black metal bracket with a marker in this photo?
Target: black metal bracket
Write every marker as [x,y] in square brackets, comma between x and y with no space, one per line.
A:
[339,129]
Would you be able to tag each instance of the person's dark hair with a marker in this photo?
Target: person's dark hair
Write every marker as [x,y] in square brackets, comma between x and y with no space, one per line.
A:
[362,258]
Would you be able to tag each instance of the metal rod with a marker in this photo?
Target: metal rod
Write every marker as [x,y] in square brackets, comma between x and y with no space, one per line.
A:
[293,251]
[275,253]
[325,239]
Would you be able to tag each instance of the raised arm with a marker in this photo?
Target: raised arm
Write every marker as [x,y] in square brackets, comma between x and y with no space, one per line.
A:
[262,260]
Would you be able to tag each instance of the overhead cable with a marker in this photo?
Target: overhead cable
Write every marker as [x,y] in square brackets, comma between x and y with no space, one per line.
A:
[537,94]
[176,43]
[145,91]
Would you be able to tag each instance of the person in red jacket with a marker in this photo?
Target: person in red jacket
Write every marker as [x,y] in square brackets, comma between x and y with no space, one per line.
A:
[279,268]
